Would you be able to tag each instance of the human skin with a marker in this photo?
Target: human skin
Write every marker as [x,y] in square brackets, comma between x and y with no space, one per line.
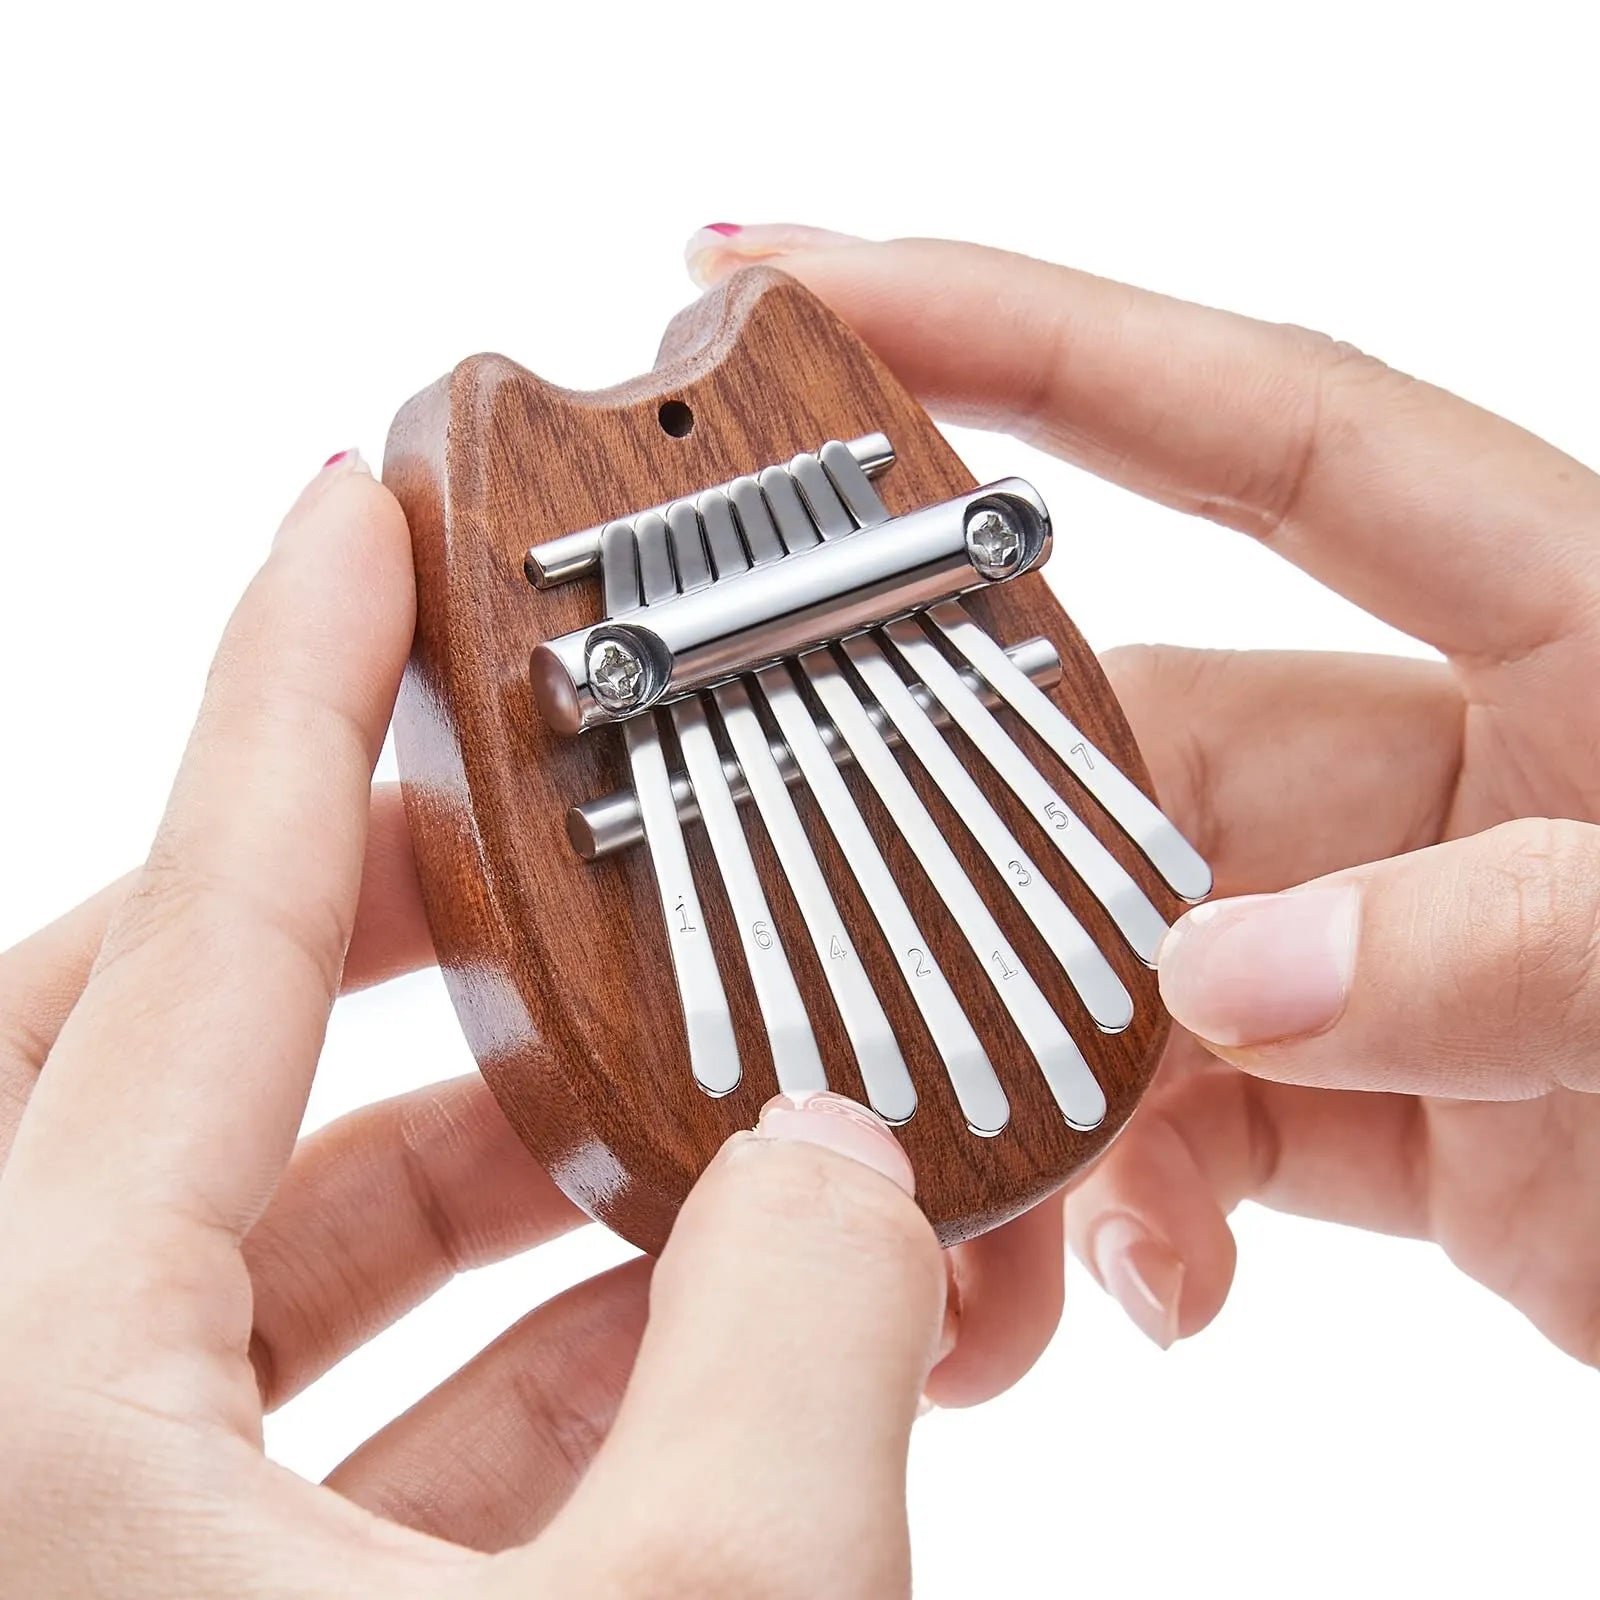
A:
[1392,1014]
[171,1265]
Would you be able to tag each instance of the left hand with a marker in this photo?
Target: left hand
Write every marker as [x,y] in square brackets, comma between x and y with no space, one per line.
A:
[164,1279]
[156,1047]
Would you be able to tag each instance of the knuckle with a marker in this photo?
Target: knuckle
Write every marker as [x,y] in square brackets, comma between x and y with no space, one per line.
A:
[174,902]
[1318,372]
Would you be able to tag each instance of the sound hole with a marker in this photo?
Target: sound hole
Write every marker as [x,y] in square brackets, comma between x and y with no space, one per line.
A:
[675,418]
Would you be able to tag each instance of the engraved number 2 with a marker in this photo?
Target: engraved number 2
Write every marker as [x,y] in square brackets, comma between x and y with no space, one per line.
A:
[922,969]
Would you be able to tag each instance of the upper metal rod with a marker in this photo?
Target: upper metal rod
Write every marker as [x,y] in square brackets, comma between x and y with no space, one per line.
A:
[574,555]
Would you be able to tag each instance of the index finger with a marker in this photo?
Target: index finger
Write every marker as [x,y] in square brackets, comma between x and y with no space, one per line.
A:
[177,1083]
[1451,523]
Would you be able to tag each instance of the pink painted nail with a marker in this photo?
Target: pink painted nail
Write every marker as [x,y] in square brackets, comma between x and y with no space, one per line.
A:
[721,248]
[1264,967]
[1141,1274]
[344,461]
[840,1125]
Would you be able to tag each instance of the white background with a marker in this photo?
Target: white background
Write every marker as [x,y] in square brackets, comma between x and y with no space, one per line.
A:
[236,239]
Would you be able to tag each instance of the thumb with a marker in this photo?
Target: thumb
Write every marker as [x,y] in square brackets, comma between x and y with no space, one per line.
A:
[794,1316]
[1468,969]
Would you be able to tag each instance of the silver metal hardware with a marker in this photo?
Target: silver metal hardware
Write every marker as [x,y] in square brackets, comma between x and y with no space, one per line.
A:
[1163,846]
[1101,990]
[994,542]
[824,590]
[783,1012]
[983,1102]
[603,826]
[728,609]
[1136,918]
[1080,1098]
[617,672]
[713,1047]
[576,555]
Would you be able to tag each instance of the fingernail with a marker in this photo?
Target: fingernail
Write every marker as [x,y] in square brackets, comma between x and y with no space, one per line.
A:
[1263,967]
[840,1125]
[1141,1274]
[721,248]
[340,464]
[344,461]
[924,1407]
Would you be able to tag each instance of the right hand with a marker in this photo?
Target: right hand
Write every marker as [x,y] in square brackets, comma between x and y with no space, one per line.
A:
[1411,1046]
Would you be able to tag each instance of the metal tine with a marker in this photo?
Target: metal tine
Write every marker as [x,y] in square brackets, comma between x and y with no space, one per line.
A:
[978,1092]
[878,1056]
[788,510]
[1103,993]
[877,1051]
[713,1047]
[1137,920]
[755,521]
[828,511]
[1067,1073]
[983,1102]
[1162,845]
[663,547]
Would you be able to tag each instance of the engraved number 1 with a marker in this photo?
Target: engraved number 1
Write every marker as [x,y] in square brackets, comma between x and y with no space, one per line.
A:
[999,959]
[686,926]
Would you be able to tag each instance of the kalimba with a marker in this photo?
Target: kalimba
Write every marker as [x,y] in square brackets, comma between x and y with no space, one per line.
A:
[745,750]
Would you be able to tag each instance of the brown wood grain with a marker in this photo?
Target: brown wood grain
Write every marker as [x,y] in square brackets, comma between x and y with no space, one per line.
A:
[559,970]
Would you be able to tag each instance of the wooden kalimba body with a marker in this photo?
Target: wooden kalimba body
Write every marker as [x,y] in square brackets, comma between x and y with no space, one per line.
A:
[745,749]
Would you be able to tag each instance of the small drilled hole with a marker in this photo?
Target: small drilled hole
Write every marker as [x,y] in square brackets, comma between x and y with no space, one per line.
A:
[676,418]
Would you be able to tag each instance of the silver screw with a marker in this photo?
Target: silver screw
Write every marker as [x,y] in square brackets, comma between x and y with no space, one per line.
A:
[616,674]
[994,542]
